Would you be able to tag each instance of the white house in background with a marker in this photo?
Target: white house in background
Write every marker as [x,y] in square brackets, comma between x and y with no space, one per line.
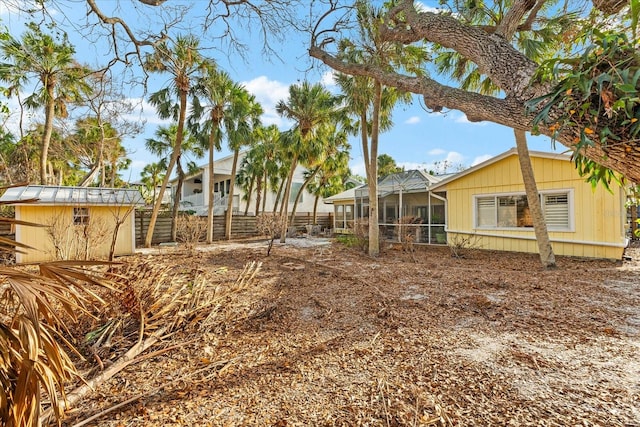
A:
[194,195]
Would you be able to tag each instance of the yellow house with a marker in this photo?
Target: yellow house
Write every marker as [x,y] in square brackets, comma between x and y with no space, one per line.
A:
[78,222]
[488,201]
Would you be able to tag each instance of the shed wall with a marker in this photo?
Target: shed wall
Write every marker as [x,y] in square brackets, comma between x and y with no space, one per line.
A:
[69,239]
[597,216]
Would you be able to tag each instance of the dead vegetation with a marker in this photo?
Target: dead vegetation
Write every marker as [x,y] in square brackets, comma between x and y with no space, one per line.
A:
[415,338]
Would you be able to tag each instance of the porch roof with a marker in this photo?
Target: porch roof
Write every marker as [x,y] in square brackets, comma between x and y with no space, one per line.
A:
[411,181]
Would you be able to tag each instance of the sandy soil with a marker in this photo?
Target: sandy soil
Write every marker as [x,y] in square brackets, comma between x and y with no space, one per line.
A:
[328,336]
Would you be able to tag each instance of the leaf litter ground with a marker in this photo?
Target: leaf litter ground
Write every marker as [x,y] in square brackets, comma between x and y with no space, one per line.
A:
[327,336]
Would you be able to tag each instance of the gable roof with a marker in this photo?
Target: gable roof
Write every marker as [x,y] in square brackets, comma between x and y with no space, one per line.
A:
[349,194]
[59,195]
[511,152]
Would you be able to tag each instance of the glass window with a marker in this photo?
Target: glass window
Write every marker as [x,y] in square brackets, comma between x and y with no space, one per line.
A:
[80,216]
[512,211]
[295,188]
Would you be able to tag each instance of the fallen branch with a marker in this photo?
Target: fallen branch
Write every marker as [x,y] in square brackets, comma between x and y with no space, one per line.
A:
[223,364]
[127,359]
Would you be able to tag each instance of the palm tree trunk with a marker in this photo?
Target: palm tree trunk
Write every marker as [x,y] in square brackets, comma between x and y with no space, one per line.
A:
[46,135]
[210,188]
[174,158]
[259,193]
[251,184]
[302,187]
[229,217]
[266,189]
[364,140]
[278,195]
[372,174]
[285,199]
[547,256]
[315,209]
[176,201]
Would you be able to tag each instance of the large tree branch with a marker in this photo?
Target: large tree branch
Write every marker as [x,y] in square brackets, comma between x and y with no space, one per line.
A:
[509,25]
[509,69]
[508,111]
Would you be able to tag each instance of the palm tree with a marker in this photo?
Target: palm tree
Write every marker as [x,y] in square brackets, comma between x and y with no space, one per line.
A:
[60,79]
[328,180]
[163,144]
[243,119]
[182,61]
[310,107]
[214,91]
[332,144]
[369,102]
[151,176]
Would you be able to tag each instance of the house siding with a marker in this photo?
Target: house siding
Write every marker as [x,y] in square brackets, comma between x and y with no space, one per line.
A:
[39,237]
[597,216]
[222,172]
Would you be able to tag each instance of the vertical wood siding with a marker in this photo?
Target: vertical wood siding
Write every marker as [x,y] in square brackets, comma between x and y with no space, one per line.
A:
[597,215]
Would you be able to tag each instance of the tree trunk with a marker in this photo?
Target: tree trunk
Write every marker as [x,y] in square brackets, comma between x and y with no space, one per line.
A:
[176,200]
[246,208]
[285,199]
[88,178]
[372,175]
[258,194]
[46,135]
[210,188]
[315,209]
[278,196]
[533,199]
[229,216]
[174,157]
[302,187]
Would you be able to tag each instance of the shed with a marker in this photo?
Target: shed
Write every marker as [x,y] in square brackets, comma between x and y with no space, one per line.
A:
[79,222]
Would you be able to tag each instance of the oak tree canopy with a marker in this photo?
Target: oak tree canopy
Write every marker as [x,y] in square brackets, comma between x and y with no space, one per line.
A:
[601,126]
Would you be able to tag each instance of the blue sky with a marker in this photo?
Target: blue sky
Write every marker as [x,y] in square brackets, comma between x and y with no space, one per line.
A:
[417,140]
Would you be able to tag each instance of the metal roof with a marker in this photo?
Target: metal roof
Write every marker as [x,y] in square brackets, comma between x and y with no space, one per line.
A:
[411,181]
[59,195]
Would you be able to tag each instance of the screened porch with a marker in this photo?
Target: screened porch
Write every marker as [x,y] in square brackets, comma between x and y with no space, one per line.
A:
[407,209]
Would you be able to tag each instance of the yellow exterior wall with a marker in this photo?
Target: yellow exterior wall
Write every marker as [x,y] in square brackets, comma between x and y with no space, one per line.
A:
[70,238]
[598,216]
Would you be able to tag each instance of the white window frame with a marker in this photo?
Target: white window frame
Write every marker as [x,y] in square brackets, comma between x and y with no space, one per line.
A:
[570,201]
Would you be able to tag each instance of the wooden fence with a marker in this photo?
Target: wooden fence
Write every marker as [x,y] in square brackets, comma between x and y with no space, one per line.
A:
[241,226]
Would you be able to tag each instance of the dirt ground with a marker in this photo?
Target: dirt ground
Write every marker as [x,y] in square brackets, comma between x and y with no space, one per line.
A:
[327,336]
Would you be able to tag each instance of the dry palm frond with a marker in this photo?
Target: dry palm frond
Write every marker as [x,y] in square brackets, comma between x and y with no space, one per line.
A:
[32,359]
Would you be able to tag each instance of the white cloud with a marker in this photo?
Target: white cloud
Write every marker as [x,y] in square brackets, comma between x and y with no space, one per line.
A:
[436,152]
[412,120]
[480,159]
[358,168]
[412,166]
[143,111]
[328,79]
[421,7]
[454,157]
[268,93]
[462,118]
